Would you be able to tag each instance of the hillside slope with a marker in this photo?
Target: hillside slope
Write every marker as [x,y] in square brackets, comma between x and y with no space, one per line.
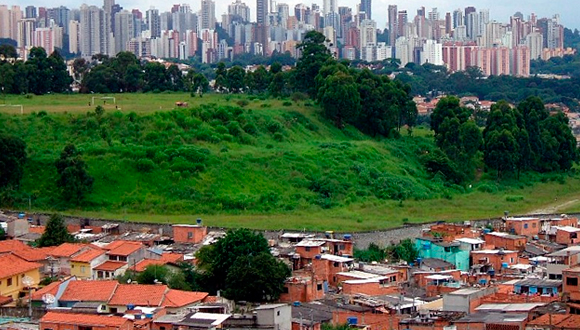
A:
[255,167]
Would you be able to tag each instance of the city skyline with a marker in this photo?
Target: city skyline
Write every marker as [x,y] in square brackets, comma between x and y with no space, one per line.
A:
[500,12]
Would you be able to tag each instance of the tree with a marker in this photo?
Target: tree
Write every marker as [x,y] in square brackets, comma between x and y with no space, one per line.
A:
[339,98]
[501,151]
[235,79]
[12,160]
[256,278]
[220,77]
[405,250]
[7,52]
[55,232]
[314,55]
[39,73]
[60,80]
[242,254]
[153,274]
[74,180]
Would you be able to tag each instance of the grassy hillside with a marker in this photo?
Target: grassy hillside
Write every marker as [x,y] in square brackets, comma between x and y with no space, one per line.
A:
[251,162]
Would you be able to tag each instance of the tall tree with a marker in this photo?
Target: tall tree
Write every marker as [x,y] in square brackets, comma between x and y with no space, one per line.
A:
[74,180]
[55,232]
[235,78]
[314,55]
[12,160]
[59,77]
[339,98]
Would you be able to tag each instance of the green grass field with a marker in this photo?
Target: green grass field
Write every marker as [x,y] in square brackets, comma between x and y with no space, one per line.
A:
[273,164]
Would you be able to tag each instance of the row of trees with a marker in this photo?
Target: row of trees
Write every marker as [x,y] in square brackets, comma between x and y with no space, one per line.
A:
[40,74]
[515,139]
[374,104]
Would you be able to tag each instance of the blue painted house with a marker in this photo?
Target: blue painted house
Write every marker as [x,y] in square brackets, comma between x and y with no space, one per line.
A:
[451,252]
[536,285]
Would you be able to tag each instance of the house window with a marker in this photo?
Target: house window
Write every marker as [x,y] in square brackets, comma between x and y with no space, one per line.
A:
[572,281]
[113,310]
[9,282]
[190,235]
[335,264]
[83,268]
[278,313]
[285,290]
[72,266]
[447,249]
[161,328]
[307,249]
[122,258]
[525,226]
[319,287]
[512,260]
[534,225]
[341,247]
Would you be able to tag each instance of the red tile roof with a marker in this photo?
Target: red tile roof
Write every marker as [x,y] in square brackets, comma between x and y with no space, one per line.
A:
[52,288]
[13,265]
[172,257]
[32,254]
[570,322]
[91,320]
[36,229]
[88,255]
[89,290]
[178,298]
[5,300]
[548,319]
[12,245]
[67,249]
[138,294]
[125,249]
[110,266]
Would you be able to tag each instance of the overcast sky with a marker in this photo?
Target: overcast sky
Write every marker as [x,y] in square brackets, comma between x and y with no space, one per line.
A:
[500,10]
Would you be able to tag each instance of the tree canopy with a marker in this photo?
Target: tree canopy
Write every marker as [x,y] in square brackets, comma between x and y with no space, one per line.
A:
[74,180]
[241,265]
[55,232]
[12,160]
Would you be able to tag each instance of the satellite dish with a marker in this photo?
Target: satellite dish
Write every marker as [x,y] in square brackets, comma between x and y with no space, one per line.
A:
[48,298]
[27,281]
[129,281]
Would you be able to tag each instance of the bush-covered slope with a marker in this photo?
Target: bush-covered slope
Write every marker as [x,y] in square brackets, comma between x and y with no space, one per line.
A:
[219,158]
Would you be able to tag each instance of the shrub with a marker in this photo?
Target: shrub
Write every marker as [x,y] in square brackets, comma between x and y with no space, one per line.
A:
[273,126]
[278,136]
[250,128]
[286,103]
[514,198]
[298,96]
[234,128]
[145,165]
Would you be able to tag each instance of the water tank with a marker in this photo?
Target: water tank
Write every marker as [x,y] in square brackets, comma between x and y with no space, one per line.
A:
[21,215]
[419,261]
[352,320]
[347,237]
[504,265]
[486,230]
[130,307]
[296,303]
[317,257]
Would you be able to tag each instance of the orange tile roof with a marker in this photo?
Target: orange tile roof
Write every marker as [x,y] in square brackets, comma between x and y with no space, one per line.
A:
[67,249]
[125,249]
[110,266]
[13,265]
[548,319]
[5,300]
[32,254]
[89,290]
[138,294]
[178,298]
[141,265]
[12,245]
[172,257]
[94,320]
[52,288]
[570,322]
[36,229]
[88,255]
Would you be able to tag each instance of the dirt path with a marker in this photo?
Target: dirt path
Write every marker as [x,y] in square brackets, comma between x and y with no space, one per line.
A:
[554,208]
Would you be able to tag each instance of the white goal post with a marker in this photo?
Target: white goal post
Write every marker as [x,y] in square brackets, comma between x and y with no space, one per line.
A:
[14,105]
[103,98]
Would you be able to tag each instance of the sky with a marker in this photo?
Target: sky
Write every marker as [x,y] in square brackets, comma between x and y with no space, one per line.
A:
[500,10]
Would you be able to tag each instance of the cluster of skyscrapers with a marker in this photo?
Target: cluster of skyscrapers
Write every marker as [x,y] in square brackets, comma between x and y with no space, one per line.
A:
[459,39]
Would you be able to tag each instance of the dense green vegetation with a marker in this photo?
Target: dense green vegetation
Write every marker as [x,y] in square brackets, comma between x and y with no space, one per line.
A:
[405,250]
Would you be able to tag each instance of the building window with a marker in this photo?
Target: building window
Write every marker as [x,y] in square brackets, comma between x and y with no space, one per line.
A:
[534,225]
[447,249]
[190,235]
[572,281]
[278,313]
[122,258]
[161,328]
[285,290]
[9,282]
[72,266]
[525,226]
[83,268]
[335,264]
[307,249]
[319,287]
